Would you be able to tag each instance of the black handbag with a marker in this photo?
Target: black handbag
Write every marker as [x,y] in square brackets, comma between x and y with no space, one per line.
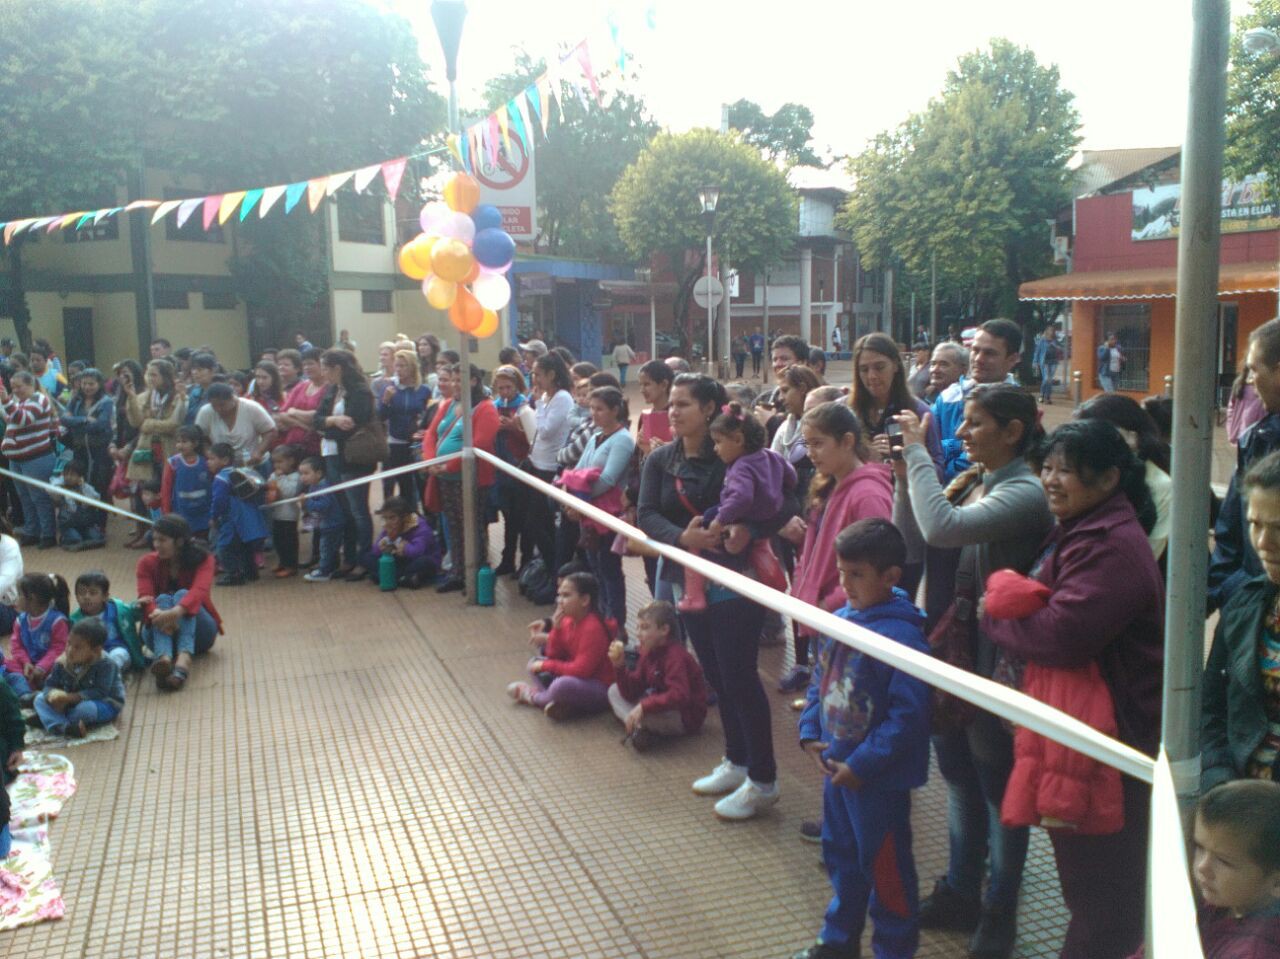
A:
[954,641]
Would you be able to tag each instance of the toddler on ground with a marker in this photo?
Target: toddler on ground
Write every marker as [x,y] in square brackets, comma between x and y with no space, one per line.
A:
[79,525]
[39,634]
[285,483]
[755,483]
[665,694]
[93,596]
[85,689]
[324,514]
[408,537]
[186,483]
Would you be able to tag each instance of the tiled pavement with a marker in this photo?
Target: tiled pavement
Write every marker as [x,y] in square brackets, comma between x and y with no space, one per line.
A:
[344,777]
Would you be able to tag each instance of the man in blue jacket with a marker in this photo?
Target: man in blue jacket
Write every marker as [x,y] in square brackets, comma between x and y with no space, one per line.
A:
[996,350]
[866,725]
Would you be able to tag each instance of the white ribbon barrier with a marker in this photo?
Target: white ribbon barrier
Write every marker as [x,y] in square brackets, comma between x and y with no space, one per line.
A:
[1173,932]
[993,697]
[79,498]
[362,480]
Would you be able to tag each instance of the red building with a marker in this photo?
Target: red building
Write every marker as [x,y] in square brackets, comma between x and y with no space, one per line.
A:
[1121,244]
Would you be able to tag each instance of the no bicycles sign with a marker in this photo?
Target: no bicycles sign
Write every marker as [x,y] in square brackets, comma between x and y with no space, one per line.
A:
[510,185]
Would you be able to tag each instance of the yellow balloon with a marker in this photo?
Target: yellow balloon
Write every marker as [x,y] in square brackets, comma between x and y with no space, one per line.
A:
[409,264]
[422,247]
[462,193]
[488,326]
[441,292]
[451,260]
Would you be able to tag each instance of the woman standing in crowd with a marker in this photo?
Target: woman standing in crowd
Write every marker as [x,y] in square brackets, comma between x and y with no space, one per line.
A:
[386,367]
[996,515]
[30,428]
[517,427]
[289,363]
[880,391]
[88,425]
[794,386]
[347,405]
[294,420]
[157,413]
[1105,607]
[428,350]
[175,585]
[553,388]
[402,405]
[679,482]
[123,440]
[268,388]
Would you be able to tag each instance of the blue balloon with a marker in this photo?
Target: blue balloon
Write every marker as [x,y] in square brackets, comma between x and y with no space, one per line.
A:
[493,247]
[487,217]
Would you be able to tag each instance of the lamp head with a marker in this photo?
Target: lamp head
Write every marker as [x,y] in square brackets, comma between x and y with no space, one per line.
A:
[709,196]
[448,16]
[1260,40]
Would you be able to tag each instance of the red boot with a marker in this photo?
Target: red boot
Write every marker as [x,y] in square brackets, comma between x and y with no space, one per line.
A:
[695,593]
[766,566]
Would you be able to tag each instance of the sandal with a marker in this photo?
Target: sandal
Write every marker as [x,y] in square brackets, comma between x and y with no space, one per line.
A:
[161,668]
[177,679]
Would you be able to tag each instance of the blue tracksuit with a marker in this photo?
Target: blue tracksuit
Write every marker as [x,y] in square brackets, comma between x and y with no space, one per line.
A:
[190,494]
[875,719]
[241,527]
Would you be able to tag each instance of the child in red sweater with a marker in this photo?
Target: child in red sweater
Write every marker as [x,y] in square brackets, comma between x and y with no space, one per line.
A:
[572,672]
[665,694]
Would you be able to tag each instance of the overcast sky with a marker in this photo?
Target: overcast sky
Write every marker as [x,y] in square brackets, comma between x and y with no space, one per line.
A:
[861,66]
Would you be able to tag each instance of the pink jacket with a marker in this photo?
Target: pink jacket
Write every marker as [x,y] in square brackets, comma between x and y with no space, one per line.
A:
[866,492]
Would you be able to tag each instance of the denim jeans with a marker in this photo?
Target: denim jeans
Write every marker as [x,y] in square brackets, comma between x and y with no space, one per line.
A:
[1047,373]
[37,505]
[79,527]
[195,634]
[18,683]
[622,373]
[91,712]
[330,541]
[607,566]
[1108,382]
[976,763]
[120,656]
[236,559]
[357,530]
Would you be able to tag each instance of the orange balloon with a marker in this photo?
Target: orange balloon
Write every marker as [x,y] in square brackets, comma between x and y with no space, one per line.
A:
[473,273]
[488,326]
[451,260]
[462,193]
[409,264]
[466,314]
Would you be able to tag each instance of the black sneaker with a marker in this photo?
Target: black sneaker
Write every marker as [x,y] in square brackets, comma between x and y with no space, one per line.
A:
[944,908]
[642,740]
[34,721]
[811,830]
[996,934]
[821,950]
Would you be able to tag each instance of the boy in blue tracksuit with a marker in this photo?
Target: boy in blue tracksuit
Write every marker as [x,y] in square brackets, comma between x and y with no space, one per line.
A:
[323,512]
[866,725]
[241,527]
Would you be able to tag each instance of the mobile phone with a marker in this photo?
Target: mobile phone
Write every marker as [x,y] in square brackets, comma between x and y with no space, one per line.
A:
[894,431]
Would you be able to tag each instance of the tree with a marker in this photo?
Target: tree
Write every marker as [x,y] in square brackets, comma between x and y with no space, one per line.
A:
[656,207]
[579,162]
[971,181]
[783,136]
[1253,89]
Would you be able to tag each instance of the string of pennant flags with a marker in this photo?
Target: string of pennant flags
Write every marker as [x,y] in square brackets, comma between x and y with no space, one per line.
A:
[519,119]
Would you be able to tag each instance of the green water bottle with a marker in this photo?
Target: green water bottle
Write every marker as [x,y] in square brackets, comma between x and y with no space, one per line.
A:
[484,585]
[387,572]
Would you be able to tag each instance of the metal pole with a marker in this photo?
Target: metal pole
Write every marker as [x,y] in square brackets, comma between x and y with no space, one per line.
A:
[653,322]
[726,319]
[711,312]
[933,298]
[1193,393]
[764,366]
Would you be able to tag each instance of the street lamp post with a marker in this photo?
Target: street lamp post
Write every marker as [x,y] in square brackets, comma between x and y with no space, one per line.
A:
[645,275]
[709,196]
[448,16]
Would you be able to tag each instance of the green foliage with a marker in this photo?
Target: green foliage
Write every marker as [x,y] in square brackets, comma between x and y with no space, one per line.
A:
[782,136]
[970,180]
[655,204]
[579,162]
[1253,101]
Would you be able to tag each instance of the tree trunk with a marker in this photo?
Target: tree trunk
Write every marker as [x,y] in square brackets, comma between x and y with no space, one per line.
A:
[18,296]
[680,306]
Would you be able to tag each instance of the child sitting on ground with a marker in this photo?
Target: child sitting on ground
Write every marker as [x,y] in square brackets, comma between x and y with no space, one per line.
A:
[407,537]
[572,673]
[239,523]
[755,483]
[79,524]
[866,725]
[185,486]
[665,694]
[285,483]
[93,596]
[324,513]
[13,732]
[39,634]
[85,689]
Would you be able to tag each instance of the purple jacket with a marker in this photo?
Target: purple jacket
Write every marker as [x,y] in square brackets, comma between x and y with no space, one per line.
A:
[1107,606]
[419,541]
[754,486]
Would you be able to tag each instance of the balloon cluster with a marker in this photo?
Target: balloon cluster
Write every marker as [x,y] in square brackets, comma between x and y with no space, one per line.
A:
[462,257]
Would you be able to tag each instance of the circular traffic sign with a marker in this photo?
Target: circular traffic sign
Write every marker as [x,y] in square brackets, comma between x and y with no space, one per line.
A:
[708,292]
[507,172]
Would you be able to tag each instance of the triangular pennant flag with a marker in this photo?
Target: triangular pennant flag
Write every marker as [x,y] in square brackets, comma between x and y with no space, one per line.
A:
[492,134]
[8,232]
[364,176]
[56,224]
[164,209]
[141,205]
[555,94]
[500,117]
[526,127]
[228,205]
[269,197]
[315,192]
[336,180]
[392,172]
[464,150]
[584,59]
[86,218]
[44,221]
[615,34]
[186,208]
[104,213]
[292,194]
[211,205]
[453,142]
[532,94]
[250,198]
[69,219]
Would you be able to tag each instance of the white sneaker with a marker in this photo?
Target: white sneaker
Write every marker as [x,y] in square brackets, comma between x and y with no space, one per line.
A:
[725,778]
[747,800]
[315,576]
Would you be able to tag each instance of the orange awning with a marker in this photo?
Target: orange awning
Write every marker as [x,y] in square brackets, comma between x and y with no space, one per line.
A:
[1150,284]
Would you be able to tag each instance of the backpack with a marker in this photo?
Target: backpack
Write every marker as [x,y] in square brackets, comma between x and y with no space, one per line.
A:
[537,583]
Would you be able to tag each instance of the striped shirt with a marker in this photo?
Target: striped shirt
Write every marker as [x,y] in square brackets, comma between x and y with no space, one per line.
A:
[30,427]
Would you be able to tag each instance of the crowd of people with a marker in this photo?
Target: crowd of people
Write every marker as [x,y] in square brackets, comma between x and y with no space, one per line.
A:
[923,502]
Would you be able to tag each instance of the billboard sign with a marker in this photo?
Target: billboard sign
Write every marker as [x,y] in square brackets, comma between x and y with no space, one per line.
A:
[1157,211]
[510,184]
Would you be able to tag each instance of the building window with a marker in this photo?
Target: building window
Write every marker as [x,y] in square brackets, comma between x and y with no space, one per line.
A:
[172,300]
[193,230]
[108,228]
[219,301]
[1131,323]
[360,218]
[375,301]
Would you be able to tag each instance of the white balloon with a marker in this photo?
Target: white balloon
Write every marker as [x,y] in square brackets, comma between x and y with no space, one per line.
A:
[492,291]
[431,216]
[457,226]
